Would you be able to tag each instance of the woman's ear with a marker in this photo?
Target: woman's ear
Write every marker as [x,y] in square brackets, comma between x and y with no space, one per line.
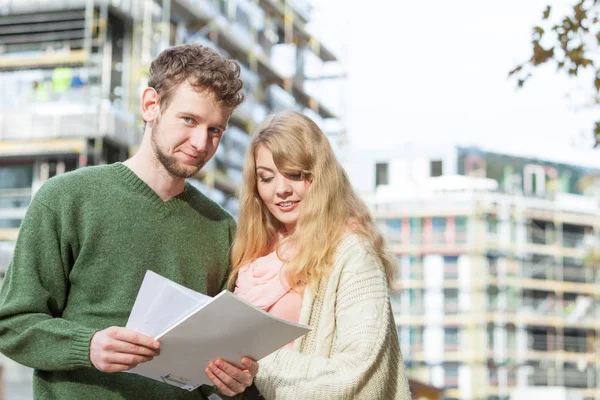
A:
[150,106]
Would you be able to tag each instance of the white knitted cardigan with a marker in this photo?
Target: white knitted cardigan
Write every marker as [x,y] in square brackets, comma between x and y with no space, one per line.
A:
[352,351]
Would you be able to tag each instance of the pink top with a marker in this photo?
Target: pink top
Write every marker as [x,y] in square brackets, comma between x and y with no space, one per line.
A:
[262,284]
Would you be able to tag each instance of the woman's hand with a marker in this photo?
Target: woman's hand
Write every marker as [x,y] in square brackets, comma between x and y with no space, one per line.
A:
[229,379]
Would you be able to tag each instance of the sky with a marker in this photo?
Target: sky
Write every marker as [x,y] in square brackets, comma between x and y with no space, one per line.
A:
[436,72]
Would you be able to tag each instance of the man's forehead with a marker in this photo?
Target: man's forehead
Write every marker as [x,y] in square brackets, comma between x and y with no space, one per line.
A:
[205,95]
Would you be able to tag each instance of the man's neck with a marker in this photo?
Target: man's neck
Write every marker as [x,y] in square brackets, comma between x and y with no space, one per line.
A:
[151,171]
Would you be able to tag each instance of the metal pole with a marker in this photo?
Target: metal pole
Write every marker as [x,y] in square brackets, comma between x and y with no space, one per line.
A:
[166,24]
[89,26]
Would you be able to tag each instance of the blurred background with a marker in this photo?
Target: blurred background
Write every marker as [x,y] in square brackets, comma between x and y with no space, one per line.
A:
[468,127]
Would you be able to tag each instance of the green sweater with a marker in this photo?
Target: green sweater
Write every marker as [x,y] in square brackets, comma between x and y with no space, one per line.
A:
[83,249]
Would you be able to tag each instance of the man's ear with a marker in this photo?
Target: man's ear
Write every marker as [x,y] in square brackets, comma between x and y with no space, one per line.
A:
[150,106]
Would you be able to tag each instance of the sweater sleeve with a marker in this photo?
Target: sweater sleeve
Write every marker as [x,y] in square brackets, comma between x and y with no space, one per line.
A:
[33,296]
[365,360]
[231,231]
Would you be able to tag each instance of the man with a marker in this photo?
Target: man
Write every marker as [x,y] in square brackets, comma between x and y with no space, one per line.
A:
[90,235]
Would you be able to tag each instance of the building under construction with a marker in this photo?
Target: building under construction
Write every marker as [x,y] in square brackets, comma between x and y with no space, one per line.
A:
[71,73]
[498,268]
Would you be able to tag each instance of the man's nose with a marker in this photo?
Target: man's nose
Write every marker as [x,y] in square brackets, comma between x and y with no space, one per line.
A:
[199,140]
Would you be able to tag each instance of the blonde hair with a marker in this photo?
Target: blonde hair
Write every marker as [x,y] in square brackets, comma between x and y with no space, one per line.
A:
[330,206]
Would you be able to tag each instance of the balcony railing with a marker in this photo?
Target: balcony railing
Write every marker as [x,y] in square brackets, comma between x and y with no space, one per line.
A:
[577,379]
[575,274]
[574,240]
[544,307]
[49,120]
[572,378]
[541,378]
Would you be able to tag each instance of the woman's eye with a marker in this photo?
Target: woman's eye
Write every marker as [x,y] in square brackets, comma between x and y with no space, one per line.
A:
[296,176]
[265,179]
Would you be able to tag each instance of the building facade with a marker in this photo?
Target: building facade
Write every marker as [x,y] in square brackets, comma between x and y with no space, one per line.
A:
[71,72]
[498,268]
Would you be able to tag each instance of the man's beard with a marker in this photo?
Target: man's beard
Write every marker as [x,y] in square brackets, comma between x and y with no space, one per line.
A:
[169,162]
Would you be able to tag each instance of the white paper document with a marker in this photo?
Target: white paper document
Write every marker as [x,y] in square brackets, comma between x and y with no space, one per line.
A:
[195,329]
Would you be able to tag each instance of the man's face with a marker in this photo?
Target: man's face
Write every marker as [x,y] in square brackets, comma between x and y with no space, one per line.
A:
[188,132]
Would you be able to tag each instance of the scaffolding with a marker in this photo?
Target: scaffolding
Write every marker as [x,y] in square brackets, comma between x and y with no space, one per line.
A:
[71,72]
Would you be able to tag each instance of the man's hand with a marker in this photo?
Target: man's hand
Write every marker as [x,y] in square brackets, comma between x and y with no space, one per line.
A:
[118,349]
[229,379]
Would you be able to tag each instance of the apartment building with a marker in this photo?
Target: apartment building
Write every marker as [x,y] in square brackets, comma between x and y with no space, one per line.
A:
[498,267]
[71,72]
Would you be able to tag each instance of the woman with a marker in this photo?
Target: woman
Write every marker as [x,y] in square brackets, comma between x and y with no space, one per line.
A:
[306,250]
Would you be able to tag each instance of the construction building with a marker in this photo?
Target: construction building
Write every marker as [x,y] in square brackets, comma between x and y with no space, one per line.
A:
[71,74]
[498,266]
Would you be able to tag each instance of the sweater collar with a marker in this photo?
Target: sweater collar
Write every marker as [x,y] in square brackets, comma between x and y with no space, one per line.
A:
[142,187]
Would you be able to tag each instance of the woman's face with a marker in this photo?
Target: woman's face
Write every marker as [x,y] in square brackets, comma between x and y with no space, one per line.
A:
[282,194]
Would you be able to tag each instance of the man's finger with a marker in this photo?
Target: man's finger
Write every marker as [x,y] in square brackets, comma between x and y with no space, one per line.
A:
[131,336]
[130,348]
[114,368]
[126,359]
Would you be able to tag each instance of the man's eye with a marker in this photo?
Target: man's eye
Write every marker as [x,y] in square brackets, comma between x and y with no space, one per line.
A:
[188,120]
[215,131]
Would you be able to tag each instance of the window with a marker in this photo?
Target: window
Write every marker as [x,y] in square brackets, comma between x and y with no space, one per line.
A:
[394,225]
[436,168]
[492,224]
[6,253]
[415,338]
[575,340]
[394,230]
[450,267]
[460,228]
[451,300]
[15,193]
[451,375]
[492,297]
[416,267]
[439,230]
[438,224]
[381,174]
[16,176]
[451,338]
[492,264]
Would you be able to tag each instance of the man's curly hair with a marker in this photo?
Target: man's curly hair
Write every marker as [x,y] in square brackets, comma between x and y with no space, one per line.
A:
[203,68]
